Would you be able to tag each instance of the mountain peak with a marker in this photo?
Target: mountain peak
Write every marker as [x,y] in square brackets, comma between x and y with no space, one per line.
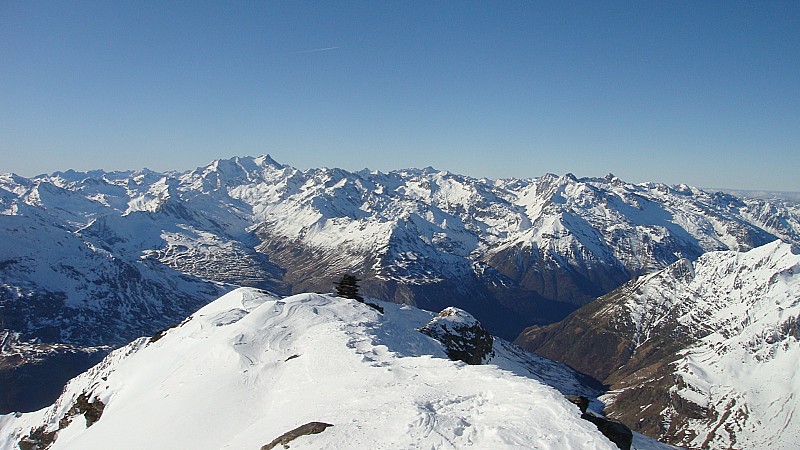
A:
[267,161]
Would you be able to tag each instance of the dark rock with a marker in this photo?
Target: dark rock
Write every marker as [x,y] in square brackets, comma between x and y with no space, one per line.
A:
[616,432]
[90,410]
[39,439]
[302,430]
[374,306]
[464,338]
[163,332]
[581,401]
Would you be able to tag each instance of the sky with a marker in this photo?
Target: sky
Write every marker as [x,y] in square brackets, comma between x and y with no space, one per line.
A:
[705,93]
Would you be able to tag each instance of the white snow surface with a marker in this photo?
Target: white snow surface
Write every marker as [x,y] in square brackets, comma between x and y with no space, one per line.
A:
[249,367]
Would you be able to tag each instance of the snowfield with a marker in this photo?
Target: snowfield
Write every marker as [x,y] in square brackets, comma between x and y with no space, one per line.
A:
[249,367]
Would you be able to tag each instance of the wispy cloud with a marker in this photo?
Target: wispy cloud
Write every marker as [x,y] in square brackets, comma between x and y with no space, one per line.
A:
[315,50]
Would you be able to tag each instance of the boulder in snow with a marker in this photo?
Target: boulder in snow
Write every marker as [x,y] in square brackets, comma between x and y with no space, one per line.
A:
[463,336]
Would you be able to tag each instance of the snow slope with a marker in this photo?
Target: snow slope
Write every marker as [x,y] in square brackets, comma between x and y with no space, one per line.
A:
[248,367]
[703,354]
[744,369]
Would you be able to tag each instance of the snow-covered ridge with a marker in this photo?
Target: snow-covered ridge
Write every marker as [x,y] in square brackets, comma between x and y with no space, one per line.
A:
[743,370]
[734,289]
[248,367]
[705,353]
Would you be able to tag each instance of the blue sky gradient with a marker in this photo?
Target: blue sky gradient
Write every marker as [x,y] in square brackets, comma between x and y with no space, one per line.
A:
[703,93]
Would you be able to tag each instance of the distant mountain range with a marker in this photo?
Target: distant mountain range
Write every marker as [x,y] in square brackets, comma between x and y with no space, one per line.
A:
[766,195]
[98,258]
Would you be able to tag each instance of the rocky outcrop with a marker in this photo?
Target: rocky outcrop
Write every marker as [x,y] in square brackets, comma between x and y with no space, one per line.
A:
[302,430]
[91,410]
[463,337]
[616,432]
[41,439]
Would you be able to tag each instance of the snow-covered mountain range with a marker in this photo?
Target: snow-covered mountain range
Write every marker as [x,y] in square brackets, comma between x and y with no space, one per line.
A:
[99,258]
[703,354]
[513,252]
[249,367]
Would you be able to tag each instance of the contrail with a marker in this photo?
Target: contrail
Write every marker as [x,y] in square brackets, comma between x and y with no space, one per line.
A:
[317,50]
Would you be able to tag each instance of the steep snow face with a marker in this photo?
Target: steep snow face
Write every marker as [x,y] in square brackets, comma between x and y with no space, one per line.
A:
[734,289]
[736,382]
[743,370]
[249,367]
[702,354]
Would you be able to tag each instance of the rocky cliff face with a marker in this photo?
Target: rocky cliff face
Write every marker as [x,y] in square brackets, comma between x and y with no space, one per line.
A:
[701,354]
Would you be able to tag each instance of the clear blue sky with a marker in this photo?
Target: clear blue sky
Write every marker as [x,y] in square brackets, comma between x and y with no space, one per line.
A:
[700,92]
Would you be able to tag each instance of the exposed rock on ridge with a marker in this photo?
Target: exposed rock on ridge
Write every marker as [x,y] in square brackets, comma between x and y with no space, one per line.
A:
[463,337]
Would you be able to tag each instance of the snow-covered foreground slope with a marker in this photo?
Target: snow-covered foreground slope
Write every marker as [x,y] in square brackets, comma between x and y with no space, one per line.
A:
[249,367]
[703,354]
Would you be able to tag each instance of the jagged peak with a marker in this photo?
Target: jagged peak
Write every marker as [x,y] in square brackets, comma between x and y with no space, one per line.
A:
[569,176]
[74,175]
[12,181]
[267,161]
[548,176]
[773,253]
[416,172]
